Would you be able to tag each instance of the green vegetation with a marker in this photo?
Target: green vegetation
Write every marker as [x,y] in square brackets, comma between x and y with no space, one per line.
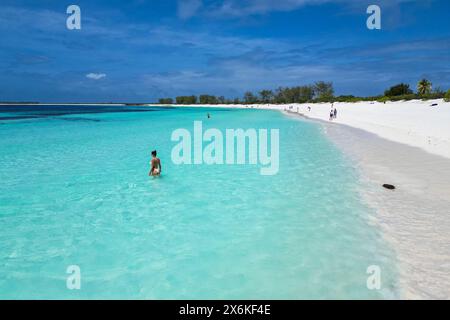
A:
[383,99]
[424,87]
[318,92]
[401,89]
[266,96]
[186,100]
[447,96]
[300,94]
[250,98]
[166,101]
[406,97]
[323,91]
[207,99]
[436,94]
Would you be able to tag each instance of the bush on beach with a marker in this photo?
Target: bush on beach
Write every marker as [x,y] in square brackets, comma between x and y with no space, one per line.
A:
[166,101]
[186,100]
[401,89]
[404,97]
[383,99]
[447,96]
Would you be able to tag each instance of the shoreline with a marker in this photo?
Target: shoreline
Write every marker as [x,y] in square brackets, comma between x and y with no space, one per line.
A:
[412,218]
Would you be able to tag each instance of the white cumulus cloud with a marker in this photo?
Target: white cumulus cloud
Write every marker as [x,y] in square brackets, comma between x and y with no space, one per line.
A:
[95,76]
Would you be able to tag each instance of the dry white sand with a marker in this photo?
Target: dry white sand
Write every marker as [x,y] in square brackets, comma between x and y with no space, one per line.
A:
[415,123]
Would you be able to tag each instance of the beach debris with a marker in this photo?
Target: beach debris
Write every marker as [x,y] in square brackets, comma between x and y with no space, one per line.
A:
[389,186]
[434,105]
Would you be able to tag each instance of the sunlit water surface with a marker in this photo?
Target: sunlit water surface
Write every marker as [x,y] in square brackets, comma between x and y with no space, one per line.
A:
[75,191]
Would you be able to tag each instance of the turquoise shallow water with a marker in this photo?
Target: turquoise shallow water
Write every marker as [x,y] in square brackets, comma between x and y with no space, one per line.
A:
[75,191]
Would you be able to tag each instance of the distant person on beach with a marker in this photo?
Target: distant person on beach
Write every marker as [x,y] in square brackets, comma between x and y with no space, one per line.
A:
[155,164]
[309,109]
[335,113]
[331,114]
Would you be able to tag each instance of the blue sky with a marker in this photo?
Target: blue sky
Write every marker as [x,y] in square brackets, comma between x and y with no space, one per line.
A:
[138,50]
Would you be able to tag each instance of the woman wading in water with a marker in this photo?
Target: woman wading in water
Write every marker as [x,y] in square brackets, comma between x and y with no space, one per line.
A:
[155,164]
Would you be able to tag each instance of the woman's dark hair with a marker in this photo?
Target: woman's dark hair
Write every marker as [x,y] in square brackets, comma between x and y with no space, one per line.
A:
[154,153]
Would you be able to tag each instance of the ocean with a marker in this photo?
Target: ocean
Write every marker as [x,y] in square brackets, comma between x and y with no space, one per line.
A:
[75,191]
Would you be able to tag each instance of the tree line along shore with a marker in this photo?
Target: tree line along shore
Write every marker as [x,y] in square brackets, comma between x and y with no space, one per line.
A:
[318,92]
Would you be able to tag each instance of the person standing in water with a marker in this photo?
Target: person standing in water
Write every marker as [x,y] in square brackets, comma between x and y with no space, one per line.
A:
[155,164]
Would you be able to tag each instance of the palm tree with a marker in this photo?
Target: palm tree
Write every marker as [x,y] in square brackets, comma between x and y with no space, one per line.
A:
[424,87]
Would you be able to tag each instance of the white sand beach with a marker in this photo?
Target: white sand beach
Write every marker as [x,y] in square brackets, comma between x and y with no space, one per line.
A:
[415,123]
[406,144]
